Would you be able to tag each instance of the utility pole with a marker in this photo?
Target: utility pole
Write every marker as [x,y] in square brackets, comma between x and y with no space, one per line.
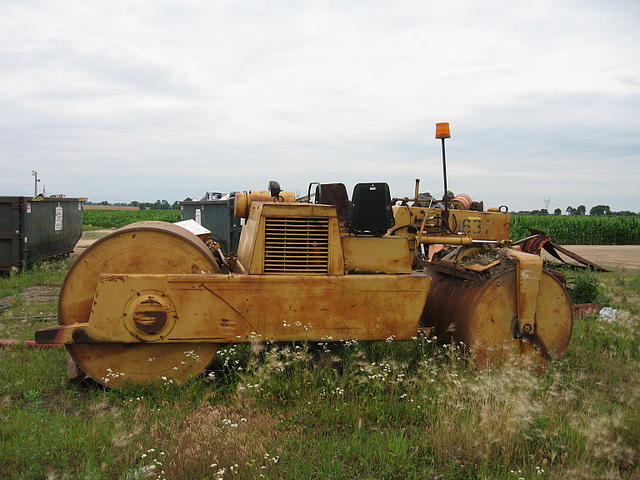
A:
[35,182]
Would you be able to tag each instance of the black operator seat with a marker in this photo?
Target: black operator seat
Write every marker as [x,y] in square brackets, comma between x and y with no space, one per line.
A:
[334,194]
[371,209]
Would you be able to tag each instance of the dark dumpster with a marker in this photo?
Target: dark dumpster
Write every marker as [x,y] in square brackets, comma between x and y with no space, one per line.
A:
[216,216]
[32,229]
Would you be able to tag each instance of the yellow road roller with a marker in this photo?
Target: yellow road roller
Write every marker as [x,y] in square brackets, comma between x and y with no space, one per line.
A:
[152,301]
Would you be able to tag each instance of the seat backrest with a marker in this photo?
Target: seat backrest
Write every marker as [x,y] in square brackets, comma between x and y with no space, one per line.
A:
[334,194]
[371,209]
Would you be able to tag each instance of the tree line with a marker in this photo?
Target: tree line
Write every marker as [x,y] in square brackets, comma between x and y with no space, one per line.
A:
[157,205]
[596,211]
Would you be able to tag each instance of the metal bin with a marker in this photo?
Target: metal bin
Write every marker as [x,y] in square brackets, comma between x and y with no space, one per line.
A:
[216,216]
[32,229]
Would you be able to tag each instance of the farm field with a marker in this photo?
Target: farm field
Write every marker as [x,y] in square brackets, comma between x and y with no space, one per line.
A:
[616,257]
[565,230]
[99,219]
[580,229]
[351,410]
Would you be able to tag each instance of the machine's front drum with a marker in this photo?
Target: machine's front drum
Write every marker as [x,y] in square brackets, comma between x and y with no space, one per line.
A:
[143,247]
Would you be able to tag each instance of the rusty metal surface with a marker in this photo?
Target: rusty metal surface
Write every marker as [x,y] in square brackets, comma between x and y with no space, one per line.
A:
[116,365]
[534,244]
[540,240]
[376,254]
[523,323]
[149,315]
[451,269]
[476,267]
[152,247]
[296,245]
[237,308]
[252,252]
[575,256]
[137,300]
[480,315]
[334,194]
[409,221]
[142,247]
[149,302]
[445,239]
[529,274]
[244,200]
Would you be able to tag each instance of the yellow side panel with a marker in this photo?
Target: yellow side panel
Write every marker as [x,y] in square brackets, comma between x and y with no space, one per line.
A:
[248,235]
[480,225]
[376,255]
[477,225]
[233,308]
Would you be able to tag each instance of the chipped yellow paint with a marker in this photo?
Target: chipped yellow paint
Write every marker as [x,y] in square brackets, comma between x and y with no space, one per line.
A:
[251,250]
[237,308]
[154,291]
[480,315]
[529,274]
[422,221]
[376,254]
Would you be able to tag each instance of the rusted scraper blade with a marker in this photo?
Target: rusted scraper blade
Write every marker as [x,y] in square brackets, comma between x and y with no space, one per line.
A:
[549,246]
[539,240]
[535,242]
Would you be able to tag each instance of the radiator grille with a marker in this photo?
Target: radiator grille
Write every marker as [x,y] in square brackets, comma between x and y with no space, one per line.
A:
[296,245]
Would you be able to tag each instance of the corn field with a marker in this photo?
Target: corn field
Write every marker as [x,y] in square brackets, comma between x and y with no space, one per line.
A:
[580,230]
[566,230]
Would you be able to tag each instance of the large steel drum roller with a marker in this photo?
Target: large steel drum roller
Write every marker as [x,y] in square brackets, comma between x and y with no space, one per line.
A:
[143,247]
[481,315]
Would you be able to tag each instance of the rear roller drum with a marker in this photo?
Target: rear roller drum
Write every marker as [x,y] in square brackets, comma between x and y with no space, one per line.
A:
[143,247]
[480,314]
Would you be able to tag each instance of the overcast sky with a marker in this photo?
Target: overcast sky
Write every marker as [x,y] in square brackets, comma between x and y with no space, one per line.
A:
[138,100]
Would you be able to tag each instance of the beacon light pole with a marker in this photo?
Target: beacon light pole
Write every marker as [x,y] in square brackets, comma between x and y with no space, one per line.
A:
[442,132]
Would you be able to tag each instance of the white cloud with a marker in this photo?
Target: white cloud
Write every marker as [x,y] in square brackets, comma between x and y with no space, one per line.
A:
[146,100]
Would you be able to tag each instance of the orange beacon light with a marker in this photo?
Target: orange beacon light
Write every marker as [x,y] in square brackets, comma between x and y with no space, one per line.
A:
[442,130]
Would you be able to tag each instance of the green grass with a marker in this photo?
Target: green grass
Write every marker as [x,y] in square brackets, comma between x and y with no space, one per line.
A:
[48,272]
[584,287]
[414,410]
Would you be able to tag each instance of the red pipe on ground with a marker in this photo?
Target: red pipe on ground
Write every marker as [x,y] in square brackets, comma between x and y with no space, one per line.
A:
[27,343]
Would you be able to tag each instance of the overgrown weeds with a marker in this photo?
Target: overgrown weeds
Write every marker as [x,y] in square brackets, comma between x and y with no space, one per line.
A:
[584,287]
[412,409]
[48,272]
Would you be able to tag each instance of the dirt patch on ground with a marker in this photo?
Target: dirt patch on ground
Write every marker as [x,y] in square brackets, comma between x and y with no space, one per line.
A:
[36,293]
[41,293]
[89,238]
[613,257]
